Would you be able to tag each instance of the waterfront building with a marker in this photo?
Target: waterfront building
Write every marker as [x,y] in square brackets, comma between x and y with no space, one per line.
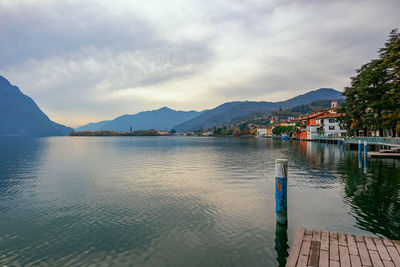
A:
[330,126]
[261,132]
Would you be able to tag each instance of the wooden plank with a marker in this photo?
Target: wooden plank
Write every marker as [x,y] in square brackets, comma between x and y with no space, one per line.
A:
[302,261]
[364,255]
[388,264]
[316,235]
[305,247]
[295,250]
[352,245]
[397,245]
[376,260]
[387,242]
[370,243]
[313,259]
[394,255]
[323,258]
[333,247]
[382,250]
[315,248]
[344,256]
[324,240]
[360,238]
[355,261]
[342,240]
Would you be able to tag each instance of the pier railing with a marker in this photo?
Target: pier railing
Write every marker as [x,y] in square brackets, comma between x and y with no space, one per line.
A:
[386,140]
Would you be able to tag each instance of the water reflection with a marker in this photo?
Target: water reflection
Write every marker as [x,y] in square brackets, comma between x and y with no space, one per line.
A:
[181,201]
[281,243]
[373,194]
[19,165]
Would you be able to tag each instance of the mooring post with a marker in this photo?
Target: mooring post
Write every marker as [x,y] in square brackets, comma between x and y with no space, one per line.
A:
[281,166]
[365,148]
[359,146]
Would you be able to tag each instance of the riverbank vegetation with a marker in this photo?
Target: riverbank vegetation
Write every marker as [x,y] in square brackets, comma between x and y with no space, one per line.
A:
[112,133]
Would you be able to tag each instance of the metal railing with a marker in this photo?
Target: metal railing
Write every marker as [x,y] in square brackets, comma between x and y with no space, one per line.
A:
[387,140]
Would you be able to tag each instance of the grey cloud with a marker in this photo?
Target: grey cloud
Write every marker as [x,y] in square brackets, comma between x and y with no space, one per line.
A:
[70,56]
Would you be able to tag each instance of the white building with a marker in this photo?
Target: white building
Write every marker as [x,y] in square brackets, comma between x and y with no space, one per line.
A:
[312,131]
[261,132]
[331,127]
[207,133]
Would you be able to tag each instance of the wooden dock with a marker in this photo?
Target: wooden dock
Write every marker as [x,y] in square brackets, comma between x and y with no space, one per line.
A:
[329,249]
[384,155]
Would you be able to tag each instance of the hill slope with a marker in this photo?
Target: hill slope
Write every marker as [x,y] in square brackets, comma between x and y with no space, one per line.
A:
[160,119]
[225,113]
[19,115]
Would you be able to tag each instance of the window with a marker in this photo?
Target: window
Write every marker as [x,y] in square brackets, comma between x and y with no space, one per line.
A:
[331,120]
[331,128]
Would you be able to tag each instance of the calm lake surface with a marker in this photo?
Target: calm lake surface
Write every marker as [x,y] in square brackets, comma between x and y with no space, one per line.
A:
[181,201]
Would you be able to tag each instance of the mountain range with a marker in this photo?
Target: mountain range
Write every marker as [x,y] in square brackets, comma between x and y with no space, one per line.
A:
[20,116]
[230,111]
[161,119]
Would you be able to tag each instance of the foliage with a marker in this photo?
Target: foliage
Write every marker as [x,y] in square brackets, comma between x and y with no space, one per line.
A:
[373,97]
[278,130]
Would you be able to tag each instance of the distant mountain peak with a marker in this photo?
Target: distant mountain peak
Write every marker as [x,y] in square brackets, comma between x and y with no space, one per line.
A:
[159,119]
[228,111]
[7,87]
[165,109]
[19,114]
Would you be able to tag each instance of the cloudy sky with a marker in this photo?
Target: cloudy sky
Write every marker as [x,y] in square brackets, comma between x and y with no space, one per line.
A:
[84,61]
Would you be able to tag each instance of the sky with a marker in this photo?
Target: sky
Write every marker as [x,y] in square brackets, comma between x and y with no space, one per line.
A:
[86,61]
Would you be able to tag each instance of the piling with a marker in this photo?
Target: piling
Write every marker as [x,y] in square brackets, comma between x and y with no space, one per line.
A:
[365,148]
[359,146]
[281,166]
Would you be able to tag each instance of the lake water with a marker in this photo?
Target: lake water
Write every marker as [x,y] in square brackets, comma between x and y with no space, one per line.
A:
[181,201]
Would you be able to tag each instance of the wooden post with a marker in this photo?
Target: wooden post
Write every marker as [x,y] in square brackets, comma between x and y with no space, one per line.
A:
[365,148]
[281,166]
[359,146]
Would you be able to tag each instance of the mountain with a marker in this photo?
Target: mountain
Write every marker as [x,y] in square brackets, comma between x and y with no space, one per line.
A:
[19,115]
[160,119]
[227,112]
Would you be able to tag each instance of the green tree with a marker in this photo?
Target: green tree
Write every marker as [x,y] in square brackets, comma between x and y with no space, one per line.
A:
[373,98]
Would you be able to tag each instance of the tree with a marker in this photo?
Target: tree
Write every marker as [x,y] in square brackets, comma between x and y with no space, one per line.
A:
[373,97]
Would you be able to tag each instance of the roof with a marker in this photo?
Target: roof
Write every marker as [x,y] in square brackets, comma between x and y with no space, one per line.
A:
[331,115]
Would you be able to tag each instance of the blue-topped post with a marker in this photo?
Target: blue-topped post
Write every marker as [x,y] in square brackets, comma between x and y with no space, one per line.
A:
[359,146]
[281,166]
[365,148]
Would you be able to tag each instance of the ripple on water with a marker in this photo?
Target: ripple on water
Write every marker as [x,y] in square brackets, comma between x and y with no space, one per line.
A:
[178,201]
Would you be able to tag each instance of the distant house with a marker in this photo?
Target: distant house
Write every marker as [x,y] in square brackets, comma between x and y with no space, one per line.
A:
[330,126]
[207,133]
[313,125]
[261,132]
